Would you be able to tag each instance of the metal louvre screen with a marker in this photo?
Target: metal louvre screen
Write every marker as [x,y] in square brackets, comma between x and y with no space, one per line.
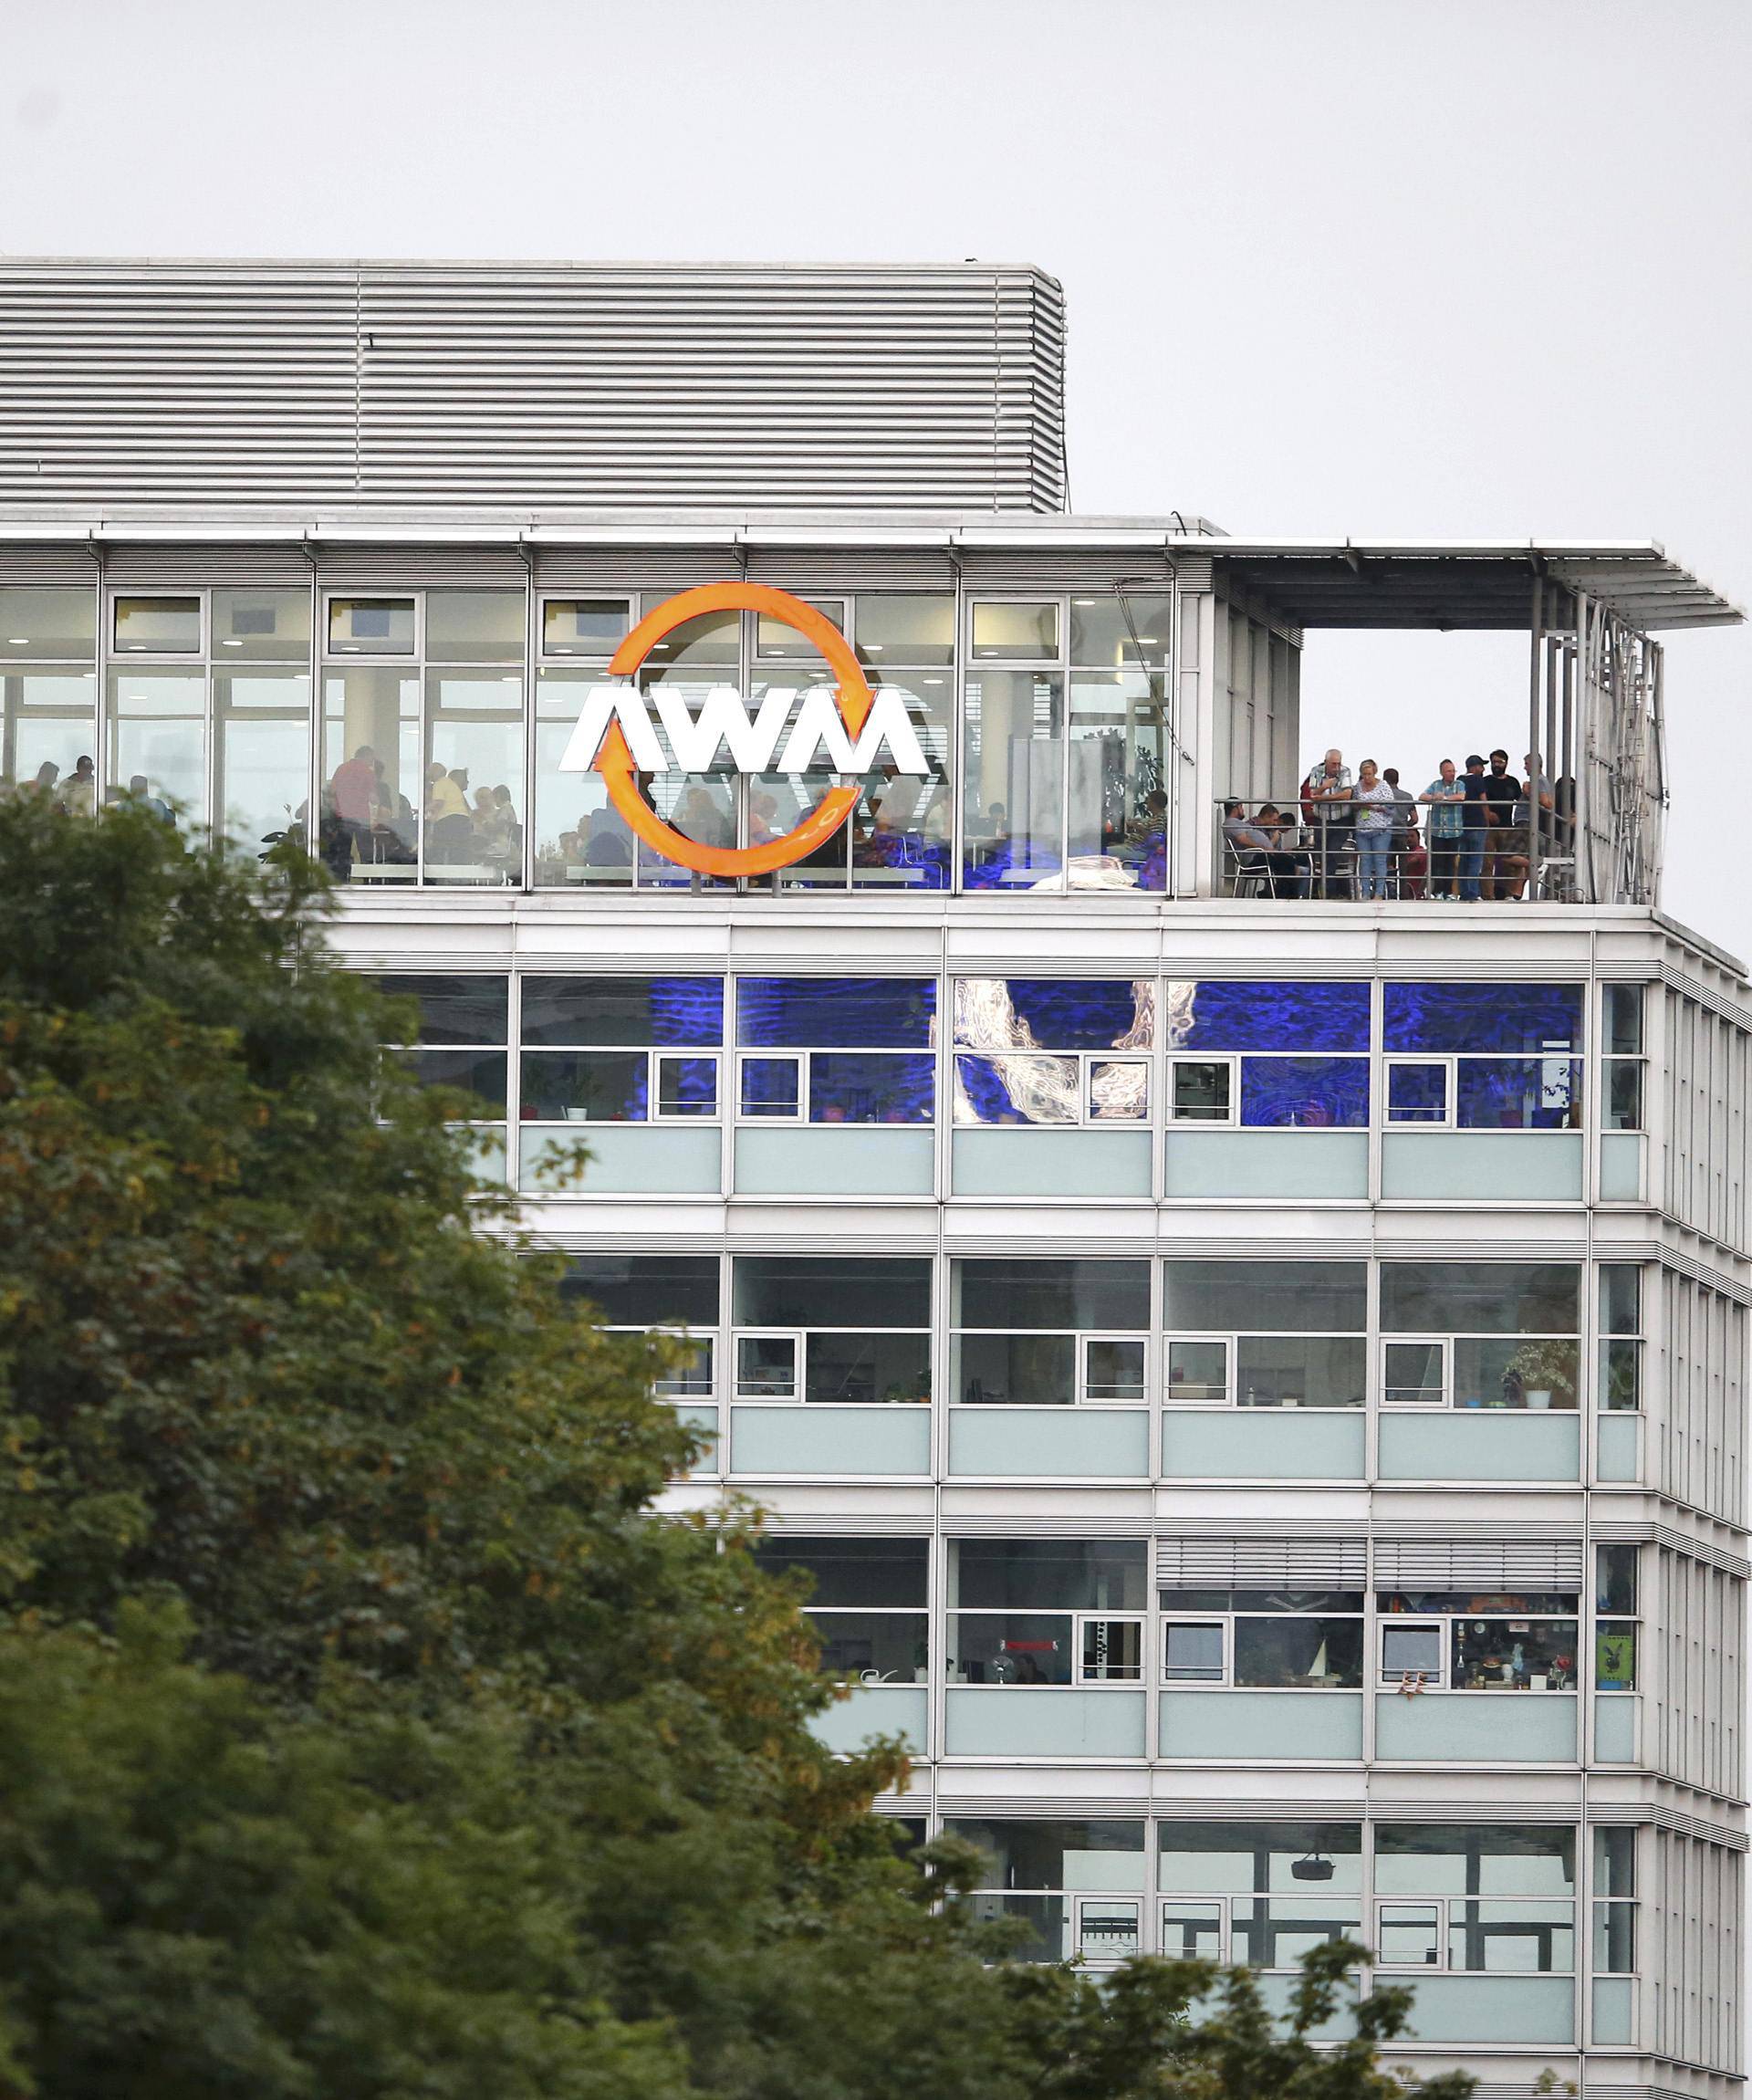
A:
[1262,1564]
[1482,1565]
[935,387]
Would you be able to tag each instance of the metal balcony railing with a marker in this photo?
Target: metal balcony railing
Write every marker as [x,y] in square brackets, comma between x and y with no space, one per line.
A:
[1282,851]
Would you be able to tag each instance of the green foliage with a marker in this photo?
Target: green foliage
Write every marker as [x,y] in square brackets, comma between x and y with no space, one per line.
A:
[361,1734]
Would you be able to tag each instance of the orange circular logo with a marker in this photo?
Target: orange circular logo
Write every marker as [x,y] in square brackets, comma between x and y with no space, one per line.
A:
[614,758]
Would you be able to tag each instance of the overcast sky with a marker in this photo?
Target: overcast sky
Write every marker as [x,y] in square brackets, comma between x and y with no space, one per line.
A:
[1332,266]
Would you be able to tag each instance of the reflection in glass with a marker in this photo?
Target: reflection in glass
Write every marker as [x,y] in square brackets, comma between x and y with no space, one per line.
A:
[1117,802]
[40,626]
[1017,1370]
[158,736]
[474,626]
[1121,630]
[906,627]
[1200,1092]
[1417,1093]
[583,626]
[1198,1370]
[1022,631]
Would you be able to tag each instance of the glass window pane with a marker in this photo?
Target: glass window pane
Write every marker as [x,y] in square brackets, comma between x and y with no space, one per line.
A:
[906,627]
[270,625]
[1615,1939]
[1417,1092]
[585,1086]
[1191,1653]
[1010,1648]
[474,626]
[1288,1296]
[1016,1370]
[1276,1934]
[1116,756]
[262,755]
[1024,1089]
[1019,633]
[583,626]
[1119,1090]
[1012,781]
[1199,1370]
[455,1009]
[583,840]
[48,722]
[647,1290]
[37,626]
[1505,1017]
[1058,1853]
[772,1086]
[474,778]
[370,626]
[1112,1652]
[1623,1093]
[1410,1651]
[158,742]
[663,1012]
[1200,1092]
[832,1291]
[1113,1370]
[767,1366]
[172,625]
[1305,1092]
[1414,1373]
[371,763]
[1518,1093]
[1054,1013]
[863,1369]
[478,1072]
[1192,1931]
[850,1086]
[1488,1859]
[1243,1014]
[1514,1655]
[873,1647]
[1300,1371]
[850,1013]
[1623,1007]
[710,642]
[1009,1294]
[1615,1578]
[1614,1656]
[863,1573]
[1480,1298]
[1048,1574]
[1614,1862]
[1295,1654]
[1410,1935]
[687,1086]
[1512,1939]
[1122,629]
[1240,1858]
[899,832]
[1108,1929]
[1620,1375]
[1491,1372]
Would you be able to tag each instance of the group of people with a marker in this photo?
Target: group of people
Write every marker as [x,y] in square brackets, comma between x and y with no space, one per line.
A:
[1360,835]
[75,794]
[365,819]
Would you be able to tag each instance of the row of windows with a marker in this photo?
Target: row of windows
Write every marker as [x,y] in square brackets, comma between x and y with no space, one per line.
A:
[1478,1898]
[1028,1052]
[1041,1331]
[1072,1613]
[1045,728]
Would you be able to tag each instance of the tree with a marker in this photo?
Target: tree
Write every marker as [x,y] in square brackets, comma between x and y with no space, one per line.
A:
[329,1582]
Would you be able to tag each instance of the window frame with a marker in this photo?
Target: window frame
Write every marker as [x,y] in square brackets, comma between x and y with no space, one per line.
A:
[1173,1615]
[1231,1117]
[653,1054]
[117,653]
[800,1338]
[544,599]
[1085,1060]
[1447,1062]
[1231,1342]
[414,657]
[1447,1623]
[1078,1621]
[1444,1905]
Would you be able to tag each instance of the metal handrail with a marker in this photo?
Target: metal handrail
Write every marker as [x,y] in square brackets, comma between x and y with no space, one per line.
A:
[1318,856]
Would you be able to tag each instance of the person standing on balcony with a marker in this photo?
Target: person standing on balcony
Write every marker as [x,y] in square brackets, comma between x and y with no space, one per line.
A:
[1326,804]
[1503,865]
[1475,827]
[1376,804]
[1447,801]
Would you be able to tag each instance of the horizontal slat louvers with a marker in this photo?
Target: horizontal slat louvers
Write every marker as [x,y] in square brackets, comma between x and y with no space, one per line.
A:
[813,386]
[1477,1564]
[172,568]
[1263,1563]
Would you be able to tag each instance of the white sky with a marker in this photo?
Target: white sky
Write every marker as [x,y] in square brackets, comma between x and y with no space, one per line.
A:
[1361,266]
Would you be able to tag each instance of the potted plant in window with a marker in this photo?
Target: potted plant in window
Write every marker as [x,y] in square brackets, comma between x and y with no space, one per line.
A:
[1545,1372]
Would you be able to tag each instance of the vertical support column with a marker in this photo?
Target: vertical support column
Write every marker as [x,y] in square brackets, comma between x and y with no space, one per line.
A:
[1587,888]
[1534,682]
[1195,774]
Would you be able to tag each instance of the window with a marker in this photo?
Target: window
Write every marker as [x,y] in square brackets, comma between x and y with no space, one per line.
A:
[158,626]
[641,1293]
[1620,1046]
[1076,1887]
[1489,1898]
[1259,1894]
[1049,1333]
[1064,749]
[854,1050]
[1046,1611]
[1614,1902]
[261,712]
[158,740]
[1621,1336]
[1262,1640]
[1268,1055]
[866,1601]
[1479,1334]
[1053,1051]
[1478,1641]
[832,1328]
[370,626]
[1482,1057]
[584,626]
[1615,1628]
[48,694]
[267,626]
[581,839]
[1265,1335]
[459,1040]
[621,1049]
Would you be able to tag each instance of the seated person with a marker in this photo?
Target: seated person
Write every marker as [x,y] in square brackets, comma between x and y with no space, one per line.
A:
[1253,847]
